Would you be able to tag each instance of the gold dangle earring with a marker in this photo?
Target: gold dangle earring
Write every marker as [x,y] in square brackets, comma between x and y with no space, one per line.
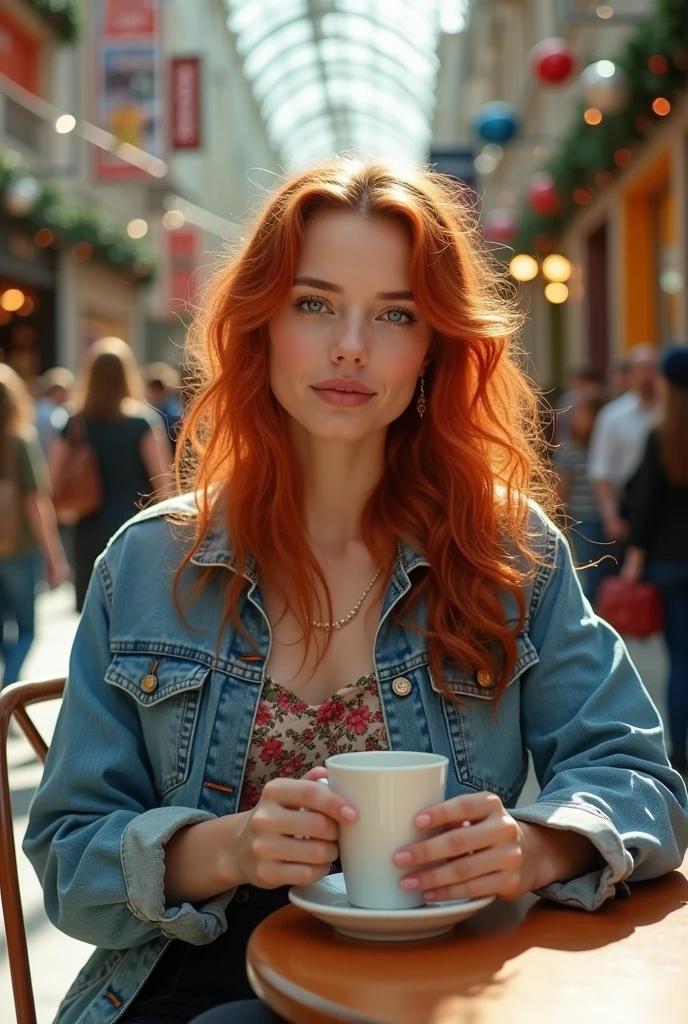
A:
[421,403]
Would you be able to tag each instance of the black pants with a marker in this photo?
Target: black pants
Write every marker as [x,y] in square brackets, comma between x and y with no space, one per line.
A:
[208,984]
[248,1011]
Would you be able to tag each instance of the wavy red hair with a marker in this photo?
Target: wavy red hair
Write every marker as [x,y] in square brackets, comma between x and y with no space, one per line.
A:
[457,483]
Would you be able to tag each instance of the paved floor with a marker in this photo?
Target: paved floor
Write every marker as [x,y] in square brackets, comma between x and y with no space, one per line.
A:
[56,958]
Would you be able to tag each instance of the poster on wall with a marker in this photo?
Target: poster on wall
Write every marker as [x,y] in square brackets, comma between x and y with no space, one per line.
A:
[130,93]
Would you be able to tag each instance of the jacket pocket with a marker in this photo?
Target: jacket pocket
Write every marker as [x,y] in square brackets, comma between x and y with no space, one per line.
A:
[476,683]
[485,737]
[167,692]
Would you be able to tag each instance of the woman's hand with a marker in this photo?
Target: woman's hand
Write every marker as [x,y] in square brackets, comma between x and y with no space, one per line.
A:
[290,837]
[489,853]
[634,565]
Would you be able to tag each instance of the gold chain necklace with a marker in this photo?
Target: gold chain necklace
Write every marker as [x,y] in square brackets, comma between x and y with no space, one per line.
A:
[347,618]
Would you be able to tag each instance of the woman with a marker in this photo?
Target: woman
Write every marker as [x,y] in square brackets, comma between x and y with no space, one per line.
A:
[577,492]
[130,443]
[27,524]
[658,542]
[357,567]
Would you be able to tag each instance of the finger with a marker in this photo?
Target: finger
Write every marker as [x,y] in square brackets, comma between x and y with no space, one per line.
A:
[312,796]
[317,773]
[498,883]
[462,869]
[456,842]
[472,807]
[278,820]
[272,874]
[294,851]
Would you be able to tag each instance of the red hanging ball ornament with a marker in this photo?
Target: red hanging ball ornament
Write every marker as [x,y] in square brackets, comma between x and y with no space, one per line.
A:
[553,61]
[543,195]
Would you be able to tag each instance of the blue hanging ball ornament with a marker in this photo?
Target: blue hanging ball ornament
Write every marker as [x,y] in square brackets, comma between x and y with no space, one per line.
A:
[496,122]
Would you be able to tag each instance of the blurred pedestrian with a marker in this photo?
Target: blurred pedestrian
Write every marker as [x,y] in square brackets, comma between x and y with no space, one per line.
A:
[582,381]
[658,542]
[619,437]
[55,386]
[619,378]
[163,393]
[577,491]
[130,443]
[27,524]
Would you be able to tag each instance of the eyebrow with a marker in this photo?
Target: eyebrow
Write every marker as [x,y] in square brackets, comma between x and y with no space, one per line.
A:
[328,286]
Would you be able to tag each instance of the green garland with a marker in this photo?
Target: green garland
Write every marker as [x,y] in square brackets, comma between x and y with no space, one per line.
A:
[72,222]
[587,150]
[63,16]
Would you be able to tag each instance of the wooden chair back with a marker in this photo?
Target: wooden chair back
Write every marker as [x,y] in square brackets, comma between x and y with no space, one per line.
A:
[14,701]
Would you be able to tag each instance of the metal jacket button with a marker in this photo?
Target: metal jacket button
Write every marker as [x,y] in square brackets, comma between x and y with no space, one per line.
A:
[402,687]
[149,683]
[484,678]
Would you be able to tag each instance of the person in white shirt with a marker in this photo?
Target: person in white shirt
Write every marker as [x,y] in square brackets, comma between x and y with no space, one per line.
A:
[619,438]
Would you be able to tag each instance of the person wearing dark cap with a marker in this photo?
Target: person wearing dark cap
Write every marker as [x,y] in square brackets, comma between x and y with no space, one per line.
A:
[658,541]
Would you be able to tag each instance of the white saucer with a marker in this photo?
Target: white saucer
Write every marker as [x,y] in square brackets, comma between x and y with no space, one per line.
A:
[327,901]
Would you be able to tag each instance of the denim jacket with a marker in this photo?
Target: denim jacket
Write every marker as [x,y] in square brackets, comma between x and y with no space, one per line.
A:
[134,759]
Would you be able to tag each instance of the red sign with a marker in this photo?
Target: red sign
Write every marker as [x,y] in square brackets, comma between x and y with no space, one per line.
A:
[185,127]
[20,54]
[184,250]
[135,19]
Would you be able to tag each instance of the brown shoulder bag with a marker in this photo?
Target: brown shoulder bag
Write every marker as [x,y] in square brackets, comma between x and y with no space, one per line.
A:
[78,489]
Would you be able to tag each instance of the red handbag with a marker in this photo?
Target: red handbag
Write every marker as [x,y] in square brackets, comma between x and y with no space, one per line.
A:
[633,609]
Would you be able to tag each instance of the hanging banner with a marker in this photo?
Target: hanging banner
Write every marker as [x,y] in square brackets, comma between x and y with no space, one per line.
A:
[130,85]
[185,103]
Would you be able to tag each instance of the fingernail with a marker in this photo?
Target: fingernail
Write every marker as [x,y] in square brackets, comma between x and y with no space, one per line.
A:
[409,883]
[422,820]
[429,895]
[403,858]
[349,813]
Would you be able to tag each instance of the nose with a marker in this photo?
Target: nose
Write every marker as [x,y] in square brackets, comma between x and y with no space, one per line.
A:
[349,346]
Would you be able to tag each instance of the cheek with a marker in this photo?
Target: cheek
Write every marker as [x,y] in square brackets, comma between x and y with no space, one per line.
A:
[288,347]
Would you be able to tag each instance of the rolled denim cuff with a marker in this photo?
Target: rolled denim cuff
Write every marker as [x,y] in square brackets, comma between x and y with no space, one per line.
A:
[589,891]
[143,863]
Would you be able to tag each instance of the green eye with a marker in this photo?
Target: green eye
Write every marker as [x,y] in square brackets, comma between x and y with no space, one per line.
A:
[398,316]
[310,304]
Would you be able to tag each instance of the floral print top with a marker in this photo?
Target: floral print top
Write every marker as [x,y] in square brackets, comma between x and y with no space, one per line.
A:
[290,737]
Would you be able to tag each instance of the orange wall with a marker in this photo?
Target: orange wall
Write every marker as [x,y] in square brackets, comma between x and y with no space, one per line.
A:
[640,286]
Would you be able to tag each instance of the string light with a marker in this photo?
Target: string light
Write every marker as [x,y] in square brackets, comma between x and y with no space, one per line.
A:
[12,300]
[81,252]
[523,267]
[556,292]
[556,268]
[661,106]
[592,116]
[65,124]
[658,64]
[137,228]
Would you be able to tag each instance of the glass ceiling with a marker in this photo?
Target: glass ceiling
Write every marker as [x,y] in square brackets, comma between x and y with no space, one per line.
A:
[330,75]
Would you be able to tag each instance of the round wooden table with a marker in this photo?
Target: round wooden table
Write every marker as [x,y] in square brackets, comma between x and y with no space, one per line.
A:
[527,962]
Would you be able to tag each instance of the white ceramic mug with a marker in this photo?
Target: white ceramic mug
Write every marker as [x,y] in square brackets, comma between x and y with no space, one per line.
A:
[388,788]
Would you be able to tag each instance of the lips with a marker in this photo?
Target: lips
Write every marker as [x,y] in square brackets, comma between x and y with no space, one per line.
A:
[348,386]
